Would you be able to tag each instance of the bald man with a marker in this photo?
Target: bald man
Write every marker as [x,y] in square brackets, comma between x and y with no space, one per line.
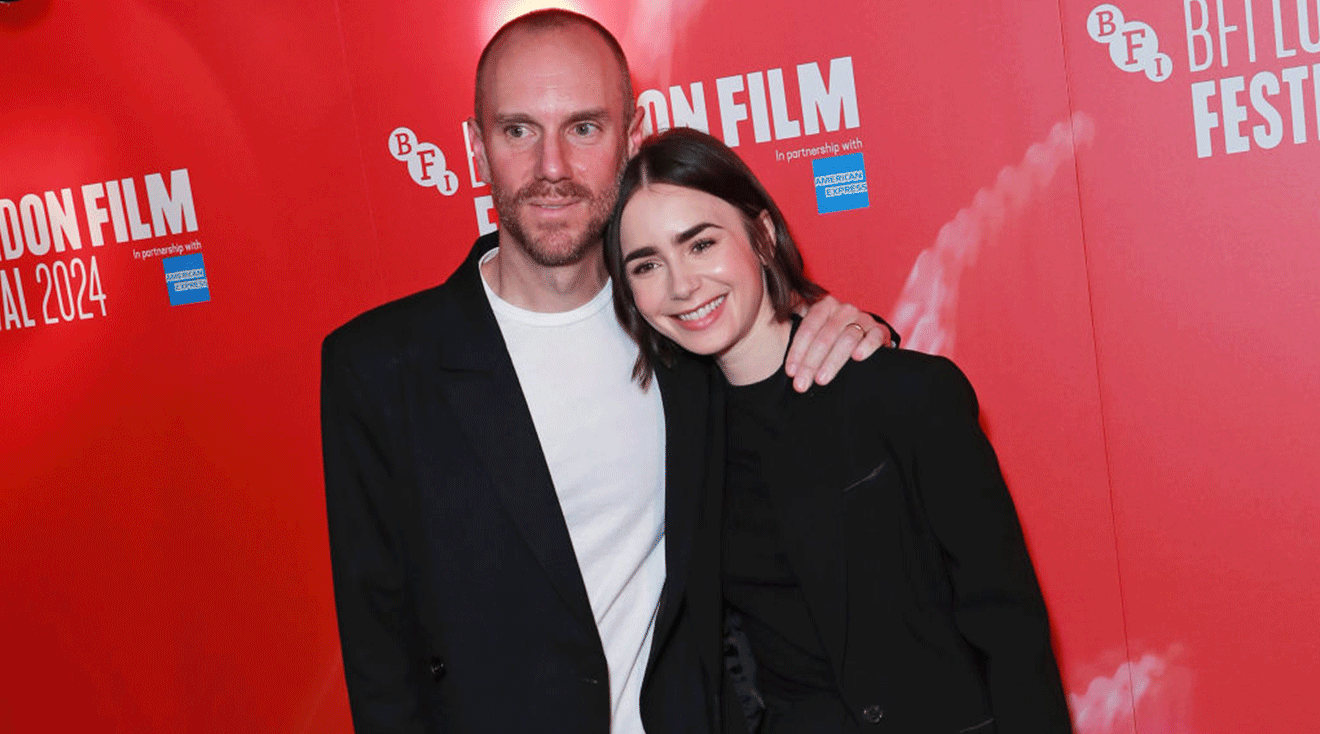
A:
[512,518]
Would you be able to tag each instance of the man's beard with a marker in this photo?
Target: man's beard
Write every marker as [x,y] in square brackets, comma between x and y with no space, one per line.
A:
[556,245]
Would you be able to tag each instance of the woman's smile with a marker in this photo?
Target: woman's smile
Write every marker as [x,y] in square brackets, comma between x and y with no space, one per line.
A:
[701,316]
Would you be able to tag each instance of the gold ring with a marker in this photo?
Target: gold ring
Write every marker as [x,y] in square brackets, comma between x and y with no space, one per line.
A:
[858,326]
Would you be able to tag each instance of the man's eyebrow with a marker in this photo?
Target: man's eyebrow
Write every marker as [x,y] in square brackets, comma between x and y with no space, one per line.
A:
[512,117]
[593,114]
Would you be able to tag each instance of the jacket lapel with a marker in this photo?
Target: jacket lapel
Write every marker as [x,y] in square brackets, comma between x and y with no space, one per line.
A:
[806,477]
[480,386]
[685,393]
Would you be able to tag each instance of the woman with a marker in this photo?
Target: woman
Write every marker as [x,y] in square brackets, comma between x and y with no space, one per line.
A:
[870,546]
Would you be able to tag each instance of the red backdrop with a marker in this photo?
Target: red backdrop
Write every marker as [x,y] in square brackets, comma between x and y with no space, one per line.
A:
[1104,213]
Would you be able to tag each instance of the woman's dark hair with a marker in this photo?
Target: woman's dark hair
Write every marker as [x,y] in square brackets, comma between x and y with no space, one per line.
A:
[694,160]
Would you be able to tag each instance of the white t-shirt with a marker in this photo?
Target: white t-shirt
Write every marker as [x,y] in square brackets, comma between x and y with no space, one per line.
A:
[603,438]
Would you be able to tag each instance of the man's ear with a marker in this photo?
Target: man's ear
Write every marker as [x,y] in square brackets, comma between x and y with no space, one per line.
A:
[478,146]
[636,131]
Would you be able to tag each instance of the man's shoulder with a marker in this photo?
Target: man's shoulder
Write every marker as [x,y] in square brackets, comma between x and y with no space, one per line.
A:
[393,320]
[414,321]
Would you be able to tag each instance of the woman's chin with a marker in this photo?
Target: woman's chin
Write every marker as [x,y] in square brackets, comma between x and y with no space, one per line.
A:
[699,342]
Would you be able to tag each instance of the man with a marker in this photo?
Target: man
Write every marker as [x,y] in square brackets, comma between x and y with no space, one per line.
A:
[511,517]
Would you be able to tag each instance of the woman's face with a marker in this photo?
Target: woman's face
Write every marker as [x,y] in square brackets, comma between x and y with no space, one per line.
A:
[694,274]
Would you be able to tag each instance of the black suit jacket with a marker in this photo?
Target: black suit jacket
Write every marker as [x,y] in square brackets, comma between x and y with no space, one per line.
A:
[895,518]
[461,606]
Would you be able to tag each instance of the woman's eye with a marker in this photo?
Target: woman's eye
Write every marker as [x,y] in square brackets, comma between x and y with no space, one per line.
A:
[703,244]
[643,268]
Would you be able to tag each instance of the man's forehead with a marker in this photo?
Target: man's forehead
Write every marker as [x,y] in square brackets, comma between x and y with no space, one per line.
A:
[528,64]
[572,35]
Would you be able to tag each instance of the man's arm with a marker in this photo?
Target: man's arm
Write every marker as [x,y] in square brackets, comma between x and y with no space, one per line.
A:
[377,629]
[830,333]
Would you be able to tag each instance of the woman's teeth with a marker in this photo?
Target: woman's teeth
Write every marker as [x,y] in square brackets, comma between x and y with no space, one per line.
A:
[701,312]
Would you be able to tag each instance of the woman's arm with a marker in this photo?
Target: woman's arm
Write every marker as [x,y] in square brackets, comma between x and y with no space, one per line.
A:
[998,606]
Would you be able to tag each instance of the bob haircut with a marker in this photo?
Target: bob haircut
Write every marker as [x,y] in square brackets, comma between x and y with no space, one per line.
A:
[694,160]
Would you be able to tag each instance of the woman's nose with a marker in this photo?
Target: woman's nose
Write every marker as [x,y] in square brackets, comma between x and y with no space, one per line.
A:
[683,282]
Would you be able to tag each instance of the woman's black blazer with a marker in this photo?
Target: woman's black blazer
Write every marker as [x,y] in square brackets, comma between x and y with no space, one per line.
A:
[896,520]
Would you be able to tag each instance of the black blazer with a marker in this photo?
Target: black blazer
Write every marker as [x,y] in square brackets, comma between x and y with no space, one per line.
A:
[895,518]
[460,603]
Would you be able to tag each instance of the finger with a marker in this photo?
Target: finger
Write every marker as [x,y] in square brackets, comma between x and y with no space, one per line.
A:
[876,336]
[812,320]
[874,339]
[836,334]
[838,355]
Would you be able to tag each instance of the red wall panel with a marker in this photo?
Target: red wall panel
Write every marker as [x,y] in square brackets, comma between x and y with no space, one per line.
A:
[1202,275]
[162,534]
[1134,315]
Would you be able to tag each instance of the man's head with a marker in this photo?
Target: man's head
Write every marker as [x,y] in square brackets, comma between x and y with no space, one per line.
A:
[554,124]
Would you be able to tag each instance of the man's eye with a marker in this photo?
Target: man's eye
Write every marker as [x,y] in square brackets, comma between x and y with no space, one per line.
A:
[585,128]
[516,131]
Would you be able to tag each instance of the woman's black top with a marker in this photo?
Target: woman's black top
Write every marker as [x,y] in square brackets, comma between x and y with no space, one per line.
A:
[793,673]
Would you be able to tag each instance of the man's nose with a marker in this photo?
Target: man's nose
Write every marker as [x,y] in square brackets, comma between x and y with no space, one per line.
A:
[553,163]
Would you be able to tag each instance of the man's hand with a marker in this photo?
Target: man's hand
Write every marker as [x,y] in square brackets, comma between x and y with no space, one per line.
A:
[829,334]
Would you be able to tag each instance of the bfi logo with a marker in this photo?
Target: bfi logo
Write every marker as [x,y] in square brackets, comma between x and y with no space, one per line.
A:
[1133,45]
[425,161]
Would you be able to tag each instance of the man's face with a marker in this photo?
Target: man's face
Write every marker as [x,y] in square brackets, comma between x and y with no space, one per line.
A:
[553,137]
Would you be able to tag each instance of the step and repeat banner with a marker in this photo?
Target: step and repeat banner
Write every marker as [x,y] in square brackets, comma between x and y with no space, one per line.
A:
[1105,213]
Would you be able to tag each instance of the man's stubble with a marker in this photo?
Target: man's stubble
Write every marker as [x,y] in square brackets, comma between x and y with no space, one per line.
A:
[555,245]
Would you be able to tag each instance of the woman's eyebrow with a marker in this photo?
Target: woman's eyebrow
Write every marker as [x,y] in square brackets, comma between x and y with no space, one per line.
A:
[639,253]
[691,232]
[679,239]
